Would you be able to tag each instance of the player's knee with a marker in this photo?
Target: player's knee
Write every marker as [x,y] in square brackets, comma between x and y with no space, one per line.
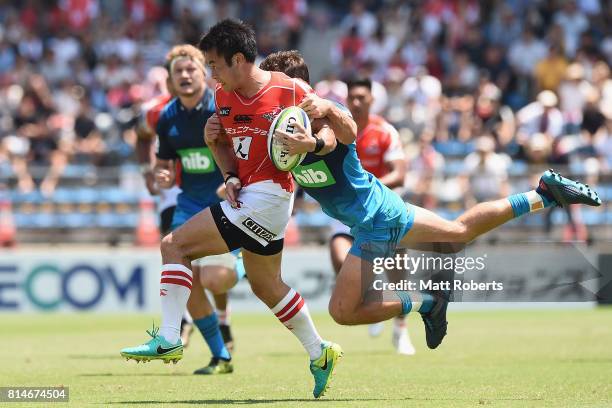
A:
[460,232]
[168,245]
[217,284]
[338,313]
[258,289]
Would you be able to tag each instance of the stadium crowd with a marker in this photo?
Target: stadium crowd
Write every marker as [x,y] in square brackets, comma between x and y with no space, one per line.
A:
[479,90]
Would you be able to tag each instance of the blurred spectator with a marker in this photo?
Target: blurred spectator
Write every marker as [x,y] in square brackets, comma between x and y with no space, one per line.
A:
[526,52]
[349,49]
[573,22]
[424,174]
[550,71]
[485,173]
[491,117]
[378,50]
[504,27]
[89,144]
[540,117]
[332,88]
[572,96]
[360,19]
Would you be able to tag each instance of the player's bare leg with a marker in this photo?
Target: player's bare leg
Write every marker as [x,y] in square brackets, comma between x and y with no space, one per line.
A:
[197,238]
[339,247]
[347,305]
[290,308]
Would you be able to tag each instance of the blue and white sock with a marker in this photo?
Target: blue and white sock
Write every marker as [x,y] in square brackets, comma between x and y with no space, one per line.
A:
[421,302]
[530,201]
[209,327]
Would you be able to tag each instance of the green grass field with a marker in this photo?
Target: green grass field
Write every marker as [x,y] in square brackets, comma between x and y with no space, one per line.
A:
[499,358]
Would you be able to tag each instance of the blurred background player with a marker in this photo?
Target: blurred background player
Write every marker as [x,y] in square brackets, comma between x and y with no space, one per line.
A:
[380,151]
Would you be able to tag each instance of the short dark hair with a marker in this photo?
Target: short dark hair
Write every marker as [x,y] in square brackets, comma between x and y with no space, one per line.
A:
[229,37]
[290,62]
[354,82]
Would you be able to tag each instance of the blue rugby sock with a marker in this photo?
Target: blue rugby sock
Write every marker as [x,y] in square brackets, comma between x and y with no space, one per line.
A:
[209,327]
[525,203]
[428,303]
[406,301]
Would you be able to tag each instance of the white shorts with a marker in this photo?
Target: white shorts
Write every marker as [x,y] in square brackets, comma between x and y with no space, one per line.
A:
[264,211]
[167,198]
[227,260]
[338,228]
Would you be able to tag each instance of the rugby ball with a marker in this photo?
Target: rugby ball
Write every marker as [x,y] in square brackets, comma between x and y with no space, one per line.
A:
[285,121]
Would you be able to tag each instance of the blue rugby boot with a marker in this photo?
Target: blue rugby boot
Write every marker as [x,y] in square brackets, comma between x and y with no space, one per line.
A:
[564,191]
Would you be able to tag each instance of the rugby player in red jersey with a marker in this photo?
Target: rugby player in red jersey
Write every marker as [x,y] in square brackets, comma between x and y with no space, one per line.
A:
[259,200]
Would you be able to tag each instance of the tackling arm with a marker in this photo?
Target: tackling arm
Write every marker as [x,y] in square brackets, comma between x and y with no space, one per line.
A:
[342,124]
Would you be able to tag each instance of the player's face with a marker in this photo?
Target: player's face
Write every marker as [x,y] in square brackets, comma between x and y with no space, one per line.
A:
[221,72]
[187,77]
[359,100]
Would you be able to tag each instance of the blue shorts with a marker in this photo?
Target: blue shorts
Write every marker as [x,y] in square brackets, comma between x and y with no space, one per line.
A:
[186,209]
[389,226]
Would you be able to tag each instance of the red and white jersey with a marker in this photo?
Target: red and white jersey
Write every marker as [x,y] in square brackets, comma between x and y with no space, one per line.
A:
[151,111]
[247,121]
[377,145]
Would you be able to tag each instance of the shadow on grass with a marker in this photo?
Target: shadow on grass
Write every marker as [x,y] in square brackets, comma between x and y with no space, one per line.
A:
[250,401]
[134,374]
[319,401]
[94,356]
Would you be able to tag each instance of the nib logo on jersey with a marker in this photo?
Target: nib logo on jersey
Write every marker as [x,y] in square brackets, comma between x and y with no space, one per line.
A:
[314,175]
[197,160]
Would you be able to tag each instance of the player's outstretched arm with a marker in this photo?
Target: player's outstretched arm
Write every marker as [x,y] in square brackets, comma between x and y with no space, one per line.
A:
[341,123]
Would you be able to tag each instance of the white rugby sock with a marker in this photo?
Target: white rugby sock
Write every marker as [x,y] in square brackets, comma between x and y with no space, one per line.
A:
[174,290]
[293,313]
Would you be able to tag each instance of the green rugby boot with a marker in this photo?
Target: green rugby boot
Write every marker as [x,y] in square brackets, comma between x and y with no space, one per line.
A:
[323,368]
[216,366]
[158,348]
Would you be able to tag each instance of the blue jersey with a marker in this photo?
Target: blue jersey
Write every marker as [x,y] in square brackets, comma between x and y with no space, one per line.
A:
[181,138]
[348,193]
[342,187]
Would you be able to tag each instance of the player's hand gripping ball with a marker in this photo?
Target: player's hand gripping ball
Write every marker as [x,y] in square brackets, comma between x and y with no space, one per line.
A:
[285,121]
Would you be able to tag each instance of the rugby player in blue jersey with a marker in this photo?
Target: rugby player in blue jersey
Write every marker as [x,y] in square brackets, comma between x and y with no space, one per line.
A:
[380,221]
[180,131]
